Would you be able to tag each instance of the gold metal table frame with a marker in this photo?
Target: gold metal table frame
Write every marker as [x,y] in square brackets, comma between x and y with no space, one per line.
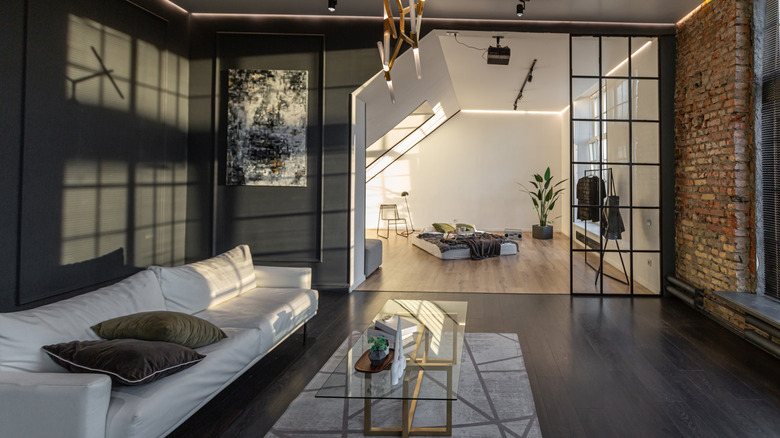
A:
[416,364]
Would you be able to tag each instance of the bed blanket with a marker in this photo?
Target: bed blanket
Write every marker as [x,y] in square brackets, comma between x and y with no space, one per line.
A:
[480,245]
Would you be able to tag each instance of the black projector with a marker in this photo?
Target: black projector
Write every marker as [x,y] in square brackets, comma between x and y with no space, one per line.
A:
[498,55]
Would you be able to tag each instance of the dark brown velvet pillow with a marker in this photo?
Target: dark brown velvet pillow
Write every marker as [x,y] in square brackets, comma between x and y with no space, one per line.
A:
[127,361]
[176,327]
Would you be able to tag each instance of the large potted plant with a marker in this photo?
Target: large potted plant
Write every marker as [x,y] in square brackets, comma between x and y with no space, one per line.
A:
[544,195]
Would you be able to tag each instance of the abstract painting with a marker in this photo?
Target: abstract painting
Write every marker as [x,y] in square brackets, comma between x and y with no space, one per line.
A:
[266,127]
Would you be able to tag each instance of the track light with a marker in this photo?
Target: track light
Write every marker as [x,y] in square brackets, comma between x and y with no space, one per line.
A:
[520,8]
[528,78]
[332,5]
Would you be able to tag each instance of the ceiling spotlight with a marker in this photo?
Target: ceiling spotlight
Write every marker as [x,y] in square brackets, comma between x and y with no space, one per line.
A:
[520,8]
[332,5]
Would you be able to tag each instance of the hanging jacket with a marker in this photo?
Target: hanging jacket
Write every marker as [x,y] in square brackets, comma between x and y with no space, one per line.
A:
[611,221]
[590,193]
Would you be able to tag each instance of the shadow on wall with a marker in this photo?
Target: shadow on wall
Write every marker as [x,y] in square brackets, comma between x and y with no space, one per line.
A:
[104,175]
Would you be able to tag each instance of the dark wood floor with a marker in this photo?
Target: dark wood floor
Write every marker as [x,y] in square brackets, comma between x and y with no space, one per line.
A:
[611,367]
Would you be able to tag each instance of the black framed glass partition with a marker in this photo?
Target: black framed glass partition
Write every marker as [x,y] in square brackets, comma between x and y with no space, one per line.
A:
[615,165]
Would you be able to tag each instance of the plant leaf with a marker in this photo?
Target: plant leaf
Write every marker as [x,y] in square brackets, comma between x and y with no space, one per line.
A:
[547,174]
[538,177]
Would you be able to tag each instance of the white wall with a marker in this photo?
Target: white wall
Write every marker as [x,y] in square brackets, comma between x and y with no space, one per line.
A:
[480,85]
[468,170]
[435,87]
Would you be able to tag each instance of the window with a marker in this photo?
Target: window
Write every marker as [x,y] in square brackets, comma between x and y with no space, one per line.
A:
[770,149]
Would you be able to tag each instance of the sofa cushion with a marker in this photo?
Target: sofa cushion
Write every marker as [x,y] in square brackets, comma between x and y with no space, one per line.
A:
[22,334]
[276,312]
[154,409]
[197,286]
[126,361]
[179,328]
[278,276]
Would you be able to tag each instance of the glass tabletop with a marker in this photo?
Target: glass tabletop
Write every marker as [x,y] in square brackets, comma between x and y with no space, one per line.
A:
[433,355]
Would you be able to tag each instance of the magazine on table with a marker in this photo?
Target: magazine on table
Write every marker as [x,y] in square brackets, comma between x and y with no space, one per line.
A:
[387,327]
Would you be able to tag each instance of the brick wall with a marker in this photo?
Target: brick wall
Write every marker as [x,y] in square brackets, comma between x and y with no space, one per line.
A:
[714,175]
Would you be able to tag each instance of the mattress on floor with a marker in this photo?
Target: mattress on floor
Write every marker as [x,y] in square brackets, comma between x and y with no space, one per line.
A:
[508,248]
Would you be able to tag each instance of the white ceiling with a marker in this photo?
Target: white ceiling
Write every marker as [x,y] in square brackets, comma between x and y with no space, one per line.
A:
[628,11]
[481,86]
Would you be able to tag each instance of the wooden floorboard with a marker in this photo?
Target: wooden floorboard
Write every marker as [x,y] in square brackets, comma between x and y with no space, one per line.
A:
[539,267]
[598,367]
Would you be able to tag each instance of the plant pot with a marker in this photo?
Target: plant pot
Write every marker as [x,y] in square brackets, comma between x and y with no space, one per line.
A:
[378,356]
[540,232]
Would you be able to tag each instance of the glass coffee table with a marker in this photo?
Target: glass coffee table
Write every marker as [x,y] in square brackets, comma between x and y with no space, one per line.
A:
[432,366]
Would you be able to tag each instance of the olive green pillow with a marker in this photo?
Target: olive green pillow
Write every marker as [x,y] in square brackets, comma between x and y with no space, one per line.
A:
[443,227]
[466,227]
[178,328]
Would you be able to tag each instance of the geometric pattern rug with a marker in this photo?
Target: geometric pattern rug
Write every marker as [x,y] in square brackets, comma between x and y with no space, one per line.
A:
[494,398]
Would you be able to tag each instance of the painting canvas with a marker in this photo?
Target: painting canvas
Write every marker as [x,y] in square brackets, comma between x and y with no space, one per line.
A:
[267,121]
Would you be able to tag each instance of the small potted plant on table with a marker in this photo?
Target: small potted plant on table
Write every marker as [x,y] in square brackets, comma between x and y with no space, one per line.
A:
[544,196]
[379,349]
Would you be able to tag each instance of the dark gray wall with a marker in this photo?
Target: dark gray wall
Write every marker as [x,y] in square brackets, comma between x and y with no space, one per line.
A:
[89,194]
[253,213]
[11,69]
[273,235]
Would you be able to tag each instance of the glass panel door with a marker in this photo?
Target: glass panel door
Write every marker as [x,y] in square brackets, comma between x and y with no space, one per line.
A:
[615,166]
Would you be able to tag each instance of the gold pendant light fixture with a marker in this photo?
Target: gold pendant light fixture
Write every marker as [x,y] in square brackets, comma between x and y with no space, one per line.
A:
[415,12]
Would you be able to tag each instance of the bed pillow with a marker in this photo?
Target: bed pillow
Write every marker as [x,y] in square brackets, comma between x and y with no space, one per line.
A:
[443,227]
[178,328]
[466,227]
[128,362]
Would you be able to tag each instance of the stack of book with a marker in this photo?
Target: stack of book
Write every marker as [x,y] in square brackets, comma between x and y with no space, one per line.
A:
[388,325]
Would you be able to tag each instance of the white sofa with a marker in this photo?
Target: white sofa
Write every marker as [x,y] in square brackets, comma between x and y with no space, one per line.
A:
[257,307]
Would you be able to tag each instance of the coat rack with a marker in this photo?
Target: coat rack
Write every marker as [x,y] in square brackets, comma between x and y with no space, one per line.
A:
[610,192]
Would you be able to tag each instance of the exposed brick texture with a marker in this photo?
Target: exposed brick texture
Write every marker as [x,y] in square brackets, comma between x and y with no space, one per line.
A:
[714,148]
[732,315]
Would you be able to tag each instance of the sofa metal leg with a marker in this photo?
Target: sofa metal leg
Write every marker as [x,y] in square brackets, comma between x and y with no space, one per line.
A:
[304,332]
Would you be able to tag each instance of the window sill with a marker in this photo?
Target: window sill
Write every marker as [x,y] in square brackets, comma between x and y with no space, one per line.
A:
[762,307]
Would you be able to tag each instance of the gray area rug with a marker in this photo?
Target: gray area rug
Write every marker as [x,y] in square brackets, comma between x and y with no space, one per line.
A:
[494,400]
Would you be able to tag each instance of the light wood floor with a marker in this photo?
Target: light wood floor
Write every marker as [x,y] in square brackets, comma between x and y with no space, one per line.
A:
[539,267]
